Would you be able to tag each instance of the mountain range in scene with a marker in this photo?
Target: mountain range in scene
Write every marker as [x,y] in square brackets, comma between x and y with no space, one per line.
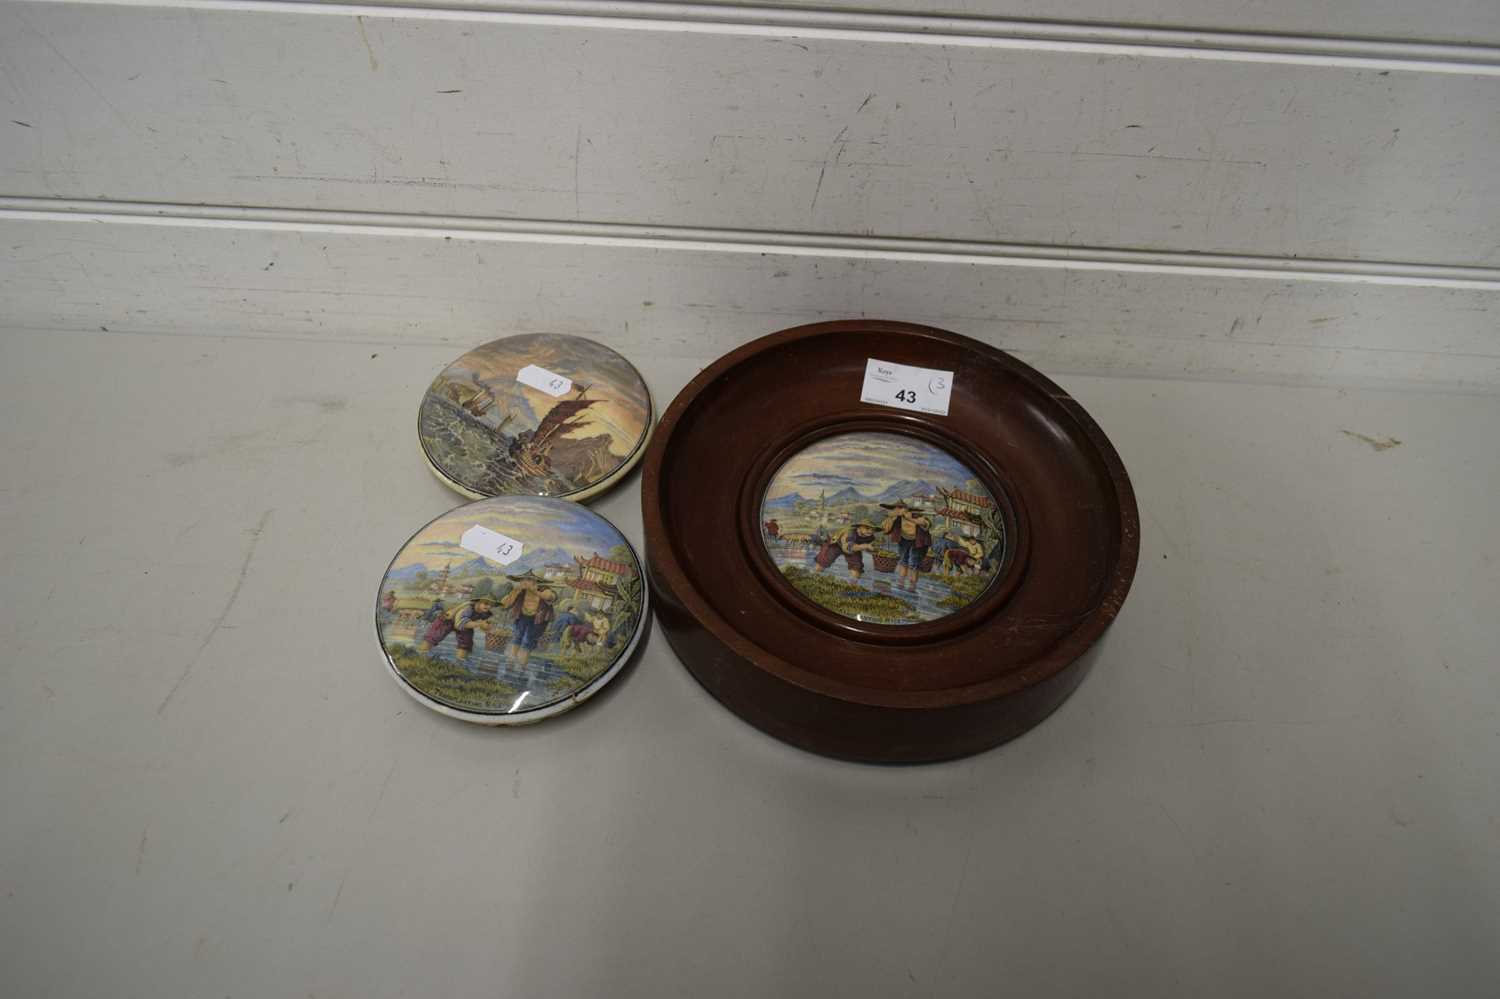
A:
[533,558]
[906,489]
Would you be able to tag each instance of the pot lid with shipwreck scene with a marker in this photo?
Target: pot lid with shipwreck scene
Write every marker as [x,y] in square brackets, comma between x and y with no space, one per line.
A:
[540,414]
[511,609]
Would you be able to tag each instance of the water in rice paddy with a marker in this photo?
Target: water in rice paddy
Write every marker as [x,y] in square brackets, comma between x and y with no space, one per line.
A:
[930,588]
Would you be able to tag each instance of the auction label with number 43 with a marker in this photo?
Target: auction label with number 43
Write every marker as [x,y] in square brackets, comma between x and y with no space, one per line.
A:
[902,386]
[492,545]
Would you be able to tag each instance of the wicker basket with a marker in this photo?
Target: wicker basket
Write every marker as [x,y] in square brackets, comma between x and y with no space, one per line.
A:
[885,560]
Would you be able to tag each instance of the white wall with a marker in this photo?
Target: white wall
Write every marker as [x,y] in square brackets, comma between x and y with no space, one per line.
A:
[1271,190]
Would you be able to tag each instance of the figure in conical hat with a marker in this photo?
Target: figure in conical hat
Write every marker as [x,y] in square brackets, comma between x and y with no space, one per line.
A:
[910,529]
[461,622]
[965,558]
[851,542]
[530,602]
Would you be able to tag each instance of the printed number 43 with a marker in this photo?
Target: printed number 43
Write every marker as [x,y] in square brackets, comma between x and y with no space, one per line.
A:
[907,396]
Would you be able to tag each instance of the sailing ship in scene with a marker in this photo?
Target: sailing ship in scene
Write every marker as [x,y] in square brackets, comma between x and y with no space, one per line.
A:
[507,447]
[473,397]
[531,449]
[487,431]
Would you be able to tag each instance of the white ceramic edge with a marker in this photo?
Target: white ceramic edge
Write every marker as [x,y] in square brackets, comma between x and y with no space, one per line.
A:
[536,714]
[605,484]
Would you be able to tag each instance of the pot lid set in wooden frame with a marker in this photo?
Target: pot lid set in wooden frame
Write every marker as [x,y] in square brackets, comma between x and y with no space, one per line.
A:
[874,540]
[884,542]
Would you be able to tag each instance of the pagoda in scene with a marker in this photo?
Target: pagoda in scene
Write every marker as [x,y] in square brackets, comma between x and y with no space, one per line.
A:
[966,511]
[598,580]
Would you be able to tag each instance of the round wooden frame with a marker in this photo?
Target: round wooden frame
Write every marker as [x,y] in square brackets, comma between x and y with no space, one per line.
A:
[880,693]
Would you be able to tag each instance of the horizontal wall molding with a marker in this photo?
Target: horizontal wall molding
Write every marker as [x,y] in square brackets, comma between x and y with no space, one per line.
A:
[898,28]
[206,105]
[677,179]
[375,278]
[681,238]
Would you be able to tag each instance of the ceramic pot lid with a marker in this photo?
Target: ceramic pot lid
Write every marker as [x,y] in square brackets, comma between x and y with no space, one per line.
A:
[883,528]
[510,610]
[541,414]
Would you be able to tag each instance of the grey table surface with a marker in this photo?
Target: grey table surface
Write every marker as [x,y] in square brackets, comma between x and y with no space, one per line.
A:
[1283,776]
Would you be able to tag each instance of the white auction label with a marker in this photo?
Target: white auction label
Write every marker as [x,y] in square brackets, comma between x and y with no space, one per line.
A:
[491,545]
[902,386]
[543,380]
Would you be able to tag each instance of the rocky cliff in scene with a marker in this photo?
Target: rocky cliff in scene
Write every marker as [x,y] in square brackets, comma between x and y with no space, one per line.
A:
[591,457]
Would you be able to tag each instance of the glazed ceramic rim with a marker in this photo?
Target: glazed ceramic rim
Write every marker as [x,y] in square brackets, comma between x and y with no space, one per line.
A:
[662,559]
[624,468]
[557,707]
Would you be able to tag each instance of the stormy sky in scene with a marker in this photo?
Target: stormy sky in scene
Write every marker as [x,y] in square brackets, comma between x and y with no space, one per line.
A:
[622,414]
[870,462]
[533,521]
